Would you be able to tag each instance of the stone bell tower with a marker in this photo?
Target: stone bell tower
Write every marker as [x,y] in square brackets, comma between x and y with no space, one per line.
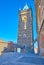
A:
[25,27]
[40,24]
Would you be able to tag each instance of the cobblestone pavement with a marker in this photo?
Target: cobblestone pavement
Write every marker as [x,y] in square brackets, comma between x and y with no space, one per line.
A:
[21,59]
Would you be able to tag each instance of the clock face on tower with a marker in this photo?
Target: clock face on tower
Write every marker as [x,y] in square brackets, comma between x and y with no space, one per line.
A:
[24,18]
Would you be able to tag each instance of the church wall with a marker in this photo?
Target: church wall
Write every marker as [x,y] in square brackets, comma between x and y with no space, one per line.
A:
[40,17]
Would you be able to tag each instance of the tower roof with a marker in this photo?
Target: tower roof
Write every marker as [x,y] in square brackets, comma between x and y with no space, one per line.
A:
[26,7]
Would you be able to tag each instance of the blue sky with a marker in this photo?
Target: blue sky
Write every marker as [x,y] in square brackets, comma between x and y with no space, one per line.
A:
[9,18]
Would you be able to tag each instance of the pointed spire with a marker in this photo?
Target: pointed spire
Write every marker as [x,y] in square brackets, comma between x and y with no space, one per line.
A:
[26,7]
[19,8]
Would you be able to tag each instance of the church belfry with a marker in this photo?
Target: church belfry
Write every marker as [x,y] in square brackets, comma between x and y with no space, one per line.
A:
[25,27]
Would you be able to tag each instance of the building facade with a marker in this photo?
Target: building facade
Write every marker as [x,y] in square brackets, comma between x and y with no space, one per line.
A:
[25,27]
[7,47]
[3,45]
[40,24]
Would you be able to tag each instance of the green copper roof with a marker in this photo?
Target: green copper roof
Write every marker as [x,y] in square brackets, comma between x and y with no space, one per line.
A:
[26,7]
